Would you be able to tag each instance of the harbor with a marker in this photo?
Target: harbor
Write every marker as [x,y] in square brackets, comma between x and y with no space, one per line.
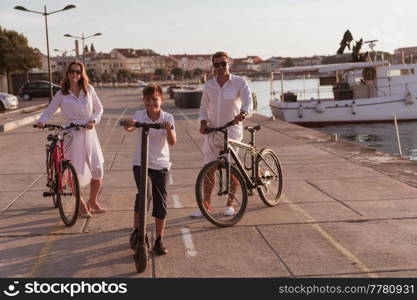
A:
[347,210]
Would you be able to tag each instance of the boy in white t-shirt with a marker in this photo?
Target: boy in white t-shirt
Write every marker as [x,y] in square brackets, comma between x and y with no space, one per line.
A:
[158,160]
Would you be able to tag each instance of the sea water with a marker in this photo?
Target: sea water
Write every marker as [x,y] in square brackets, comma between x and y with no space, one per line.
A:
[381,136]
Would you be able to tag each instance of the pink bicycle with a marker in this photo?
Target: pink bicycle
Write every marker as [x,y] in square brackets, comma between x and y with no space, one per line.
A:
[62,179]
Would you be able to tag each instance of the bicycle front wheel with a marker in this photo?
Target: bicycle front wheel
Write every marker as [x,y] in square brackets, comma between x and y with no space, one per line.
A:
[141,257]
[269,172]
[69,197]
[221,206]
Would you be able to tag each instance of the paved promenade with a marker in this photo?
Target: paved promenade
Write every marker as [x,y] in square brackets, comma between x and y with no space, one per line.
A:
[346,210]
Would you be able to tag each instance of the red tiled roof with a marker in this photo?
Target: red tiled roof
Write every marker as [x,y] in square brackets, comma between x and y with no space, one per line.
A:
[177,56]
[135,53]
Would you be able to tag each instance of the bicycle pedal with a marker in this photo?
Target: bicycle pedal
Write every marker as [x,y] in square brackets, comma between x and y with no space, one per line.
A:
[47,194]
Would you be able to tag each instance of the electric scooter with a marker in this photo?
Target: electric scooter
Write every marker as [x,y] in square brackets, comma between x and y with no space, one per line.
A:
[141,251]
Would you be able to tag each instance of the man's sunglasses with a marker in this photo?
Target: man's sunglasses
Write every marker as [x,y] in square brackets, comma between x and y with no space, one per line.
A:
[75,71]
[223,64]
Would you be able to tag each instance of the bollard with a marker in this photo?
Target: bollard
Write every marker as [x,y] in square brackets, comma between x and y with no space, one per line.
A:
[333,137]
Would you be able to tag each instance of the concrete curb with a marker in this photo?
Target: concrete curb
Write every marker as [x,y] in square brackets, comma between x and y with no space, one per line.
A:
[28,109]
[25,120]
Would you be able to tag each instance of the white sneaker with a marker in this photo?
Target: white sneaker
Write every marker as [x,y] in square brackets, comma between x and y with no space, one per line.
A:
[196,214]
[229,211]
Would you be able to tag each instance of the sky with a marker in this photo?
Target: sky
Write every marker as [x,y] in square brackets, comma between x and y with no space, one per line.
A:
[240,27]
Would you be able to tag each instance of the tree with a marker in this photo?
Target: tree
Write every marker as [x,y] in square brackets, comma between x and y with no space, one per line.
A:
[105,77]
[16,55]
[57,77]
[198,72]
[123,75]
[288,63]
[92,75]
[187,75]
[178,73]
[161,73]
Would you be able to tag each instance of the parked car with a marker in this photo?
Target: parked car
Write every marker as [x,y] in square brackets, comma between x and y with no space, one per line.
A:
[7,101]
[141,84]
[37,89]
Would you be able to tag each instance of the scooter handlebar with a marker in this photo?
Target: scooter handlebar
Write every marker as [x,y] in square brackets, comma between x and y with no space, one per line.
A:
[143,125]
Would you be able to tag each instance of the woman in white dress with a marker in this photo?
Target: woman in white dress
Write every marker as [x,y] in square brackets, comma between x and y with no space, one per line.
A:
[80,104]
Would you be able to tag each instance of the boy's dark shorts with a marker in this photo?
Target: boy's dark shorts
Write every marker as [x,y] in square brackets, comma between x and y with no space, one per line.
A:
[157,190]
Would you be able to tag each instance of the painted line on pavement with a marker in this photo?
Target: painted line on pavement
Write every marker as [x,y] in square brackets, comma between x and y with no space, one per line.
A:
[188,119]
[188,242]
[170,179]
[109,134]
[18,196]
[349,255]
[176,200]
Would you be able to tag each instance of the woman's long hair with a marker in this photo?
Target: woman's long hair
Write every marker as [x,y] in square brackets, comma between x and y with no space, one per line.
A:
[82,83]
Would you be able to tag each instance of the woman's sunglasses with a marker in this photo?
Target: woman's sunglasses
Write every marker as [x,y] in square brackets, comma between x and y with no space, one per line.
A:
[72,71]
[223,64]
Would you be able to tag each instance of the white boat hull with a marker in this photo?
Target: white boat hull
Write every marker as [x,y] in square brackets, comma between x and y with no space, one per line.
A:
[376,109]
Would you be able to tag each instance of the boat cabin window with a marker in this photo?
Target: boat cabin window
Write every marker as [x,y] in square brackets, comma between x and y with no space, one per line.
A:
[400,72]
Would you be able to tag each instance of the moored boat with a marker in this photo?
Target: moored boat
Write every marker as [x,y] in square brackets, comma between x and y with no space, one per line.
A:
[357,93]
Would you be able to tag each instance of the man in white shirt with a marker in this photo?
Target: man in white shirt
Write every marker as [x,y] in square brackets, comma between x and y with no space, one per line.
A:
[226,97]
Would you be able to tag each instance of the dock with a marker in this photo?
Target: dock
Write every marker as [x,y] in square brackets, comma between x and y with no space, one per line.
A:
[346,211]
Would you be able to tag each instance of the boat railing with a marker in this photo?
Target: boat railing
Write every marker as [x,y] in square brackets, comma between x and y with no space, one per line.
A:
[357,91]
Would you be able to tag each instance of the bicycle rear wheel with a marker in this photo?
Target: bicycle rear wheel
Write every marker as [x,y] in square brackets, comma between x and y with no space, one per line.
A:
[69,198]
[269,171]
[212,198]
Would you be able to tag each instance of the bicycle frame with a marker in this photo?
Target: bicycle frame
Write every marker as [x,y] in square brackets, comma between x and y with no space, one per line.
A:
[228,152]
[56,158]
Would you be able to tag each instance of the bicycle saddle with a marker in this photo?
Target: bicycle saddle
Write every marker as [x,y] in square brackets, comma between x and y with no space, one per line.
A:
[253,128]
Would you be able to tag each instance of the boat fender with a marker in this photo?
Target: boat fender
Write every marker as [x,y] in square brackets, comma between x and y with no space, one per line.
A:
[320,107]
[409,99]
[353,108]
[300,111]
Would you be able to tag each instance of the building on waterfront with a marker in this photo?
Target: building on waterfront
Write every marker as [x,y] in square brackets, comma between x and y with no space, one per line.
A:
[405,54]
[246,66]
[306,61]
[190,62]
[140,61]
[271,64]
[104,63]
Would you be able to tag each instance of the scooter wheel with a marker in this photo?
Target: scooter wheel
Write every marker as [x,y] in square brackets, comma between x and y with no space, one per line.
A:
[141,257]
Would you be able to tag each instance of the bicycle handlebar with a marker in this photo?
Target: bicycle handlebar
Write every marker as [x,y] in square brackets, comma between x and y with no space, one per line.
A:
[54,126]
[225,126]
[143,125]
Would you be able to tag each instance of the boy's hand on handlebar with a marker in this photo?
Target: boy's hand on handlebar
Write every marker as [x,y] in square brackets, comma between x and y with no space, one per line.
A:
[40,125]
[166,125]
[130,124]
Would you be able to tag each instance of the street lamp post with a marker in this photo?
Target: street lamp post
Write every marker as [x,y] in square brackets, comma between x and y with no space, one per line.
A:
[46,14]
[82,37]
